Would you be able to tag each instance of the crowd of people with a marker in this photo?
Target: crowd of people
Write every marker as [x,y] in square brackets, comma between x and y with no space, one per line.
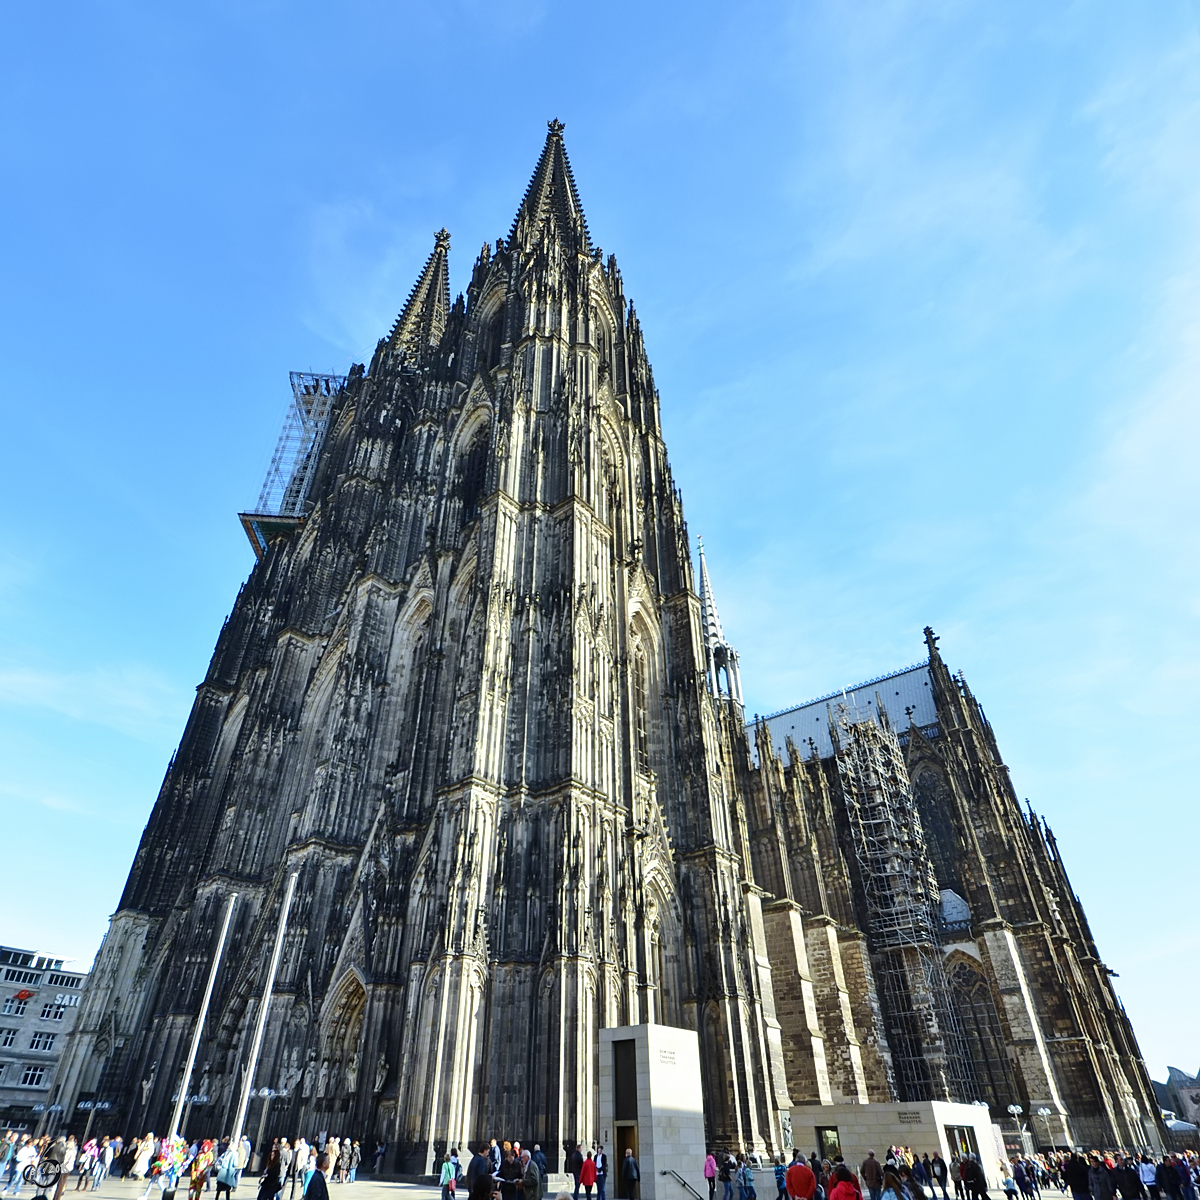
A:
[503,1170]
[208,1164]
[906,1175]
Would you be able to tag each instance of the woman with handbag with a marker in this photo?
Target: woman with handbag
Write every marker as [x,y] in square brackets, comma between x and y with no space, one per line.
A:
[271,1183]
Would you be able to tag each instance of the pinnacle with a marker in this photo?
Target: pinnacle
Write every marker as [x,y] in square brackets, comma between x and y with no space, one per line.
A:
[551,199]
[710,619]
[423,320]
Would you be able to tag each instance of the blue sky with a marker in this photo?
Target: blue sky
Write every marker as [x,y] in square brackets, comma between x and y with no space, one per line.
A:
[919,282]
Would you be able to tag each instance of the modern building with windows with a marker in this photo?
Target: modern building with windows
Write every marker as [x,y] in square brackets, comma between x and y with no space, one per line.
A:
[39,1001]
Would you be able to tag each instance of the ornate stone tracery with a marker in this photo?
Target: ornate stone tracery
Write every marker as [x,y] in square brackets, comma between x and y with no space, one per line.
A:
[479,701]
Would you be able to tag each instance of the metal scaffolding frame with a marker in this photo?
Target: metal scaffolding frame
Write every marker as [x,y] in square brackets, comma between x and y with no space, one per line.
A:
[294,463]
[901,896]
[283,502]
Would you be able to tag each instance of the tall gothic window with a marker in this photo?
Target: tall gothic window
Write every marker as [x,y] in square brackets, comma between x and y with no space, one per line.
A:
[640,733]
[976,1007]
[494,339]
[472,476]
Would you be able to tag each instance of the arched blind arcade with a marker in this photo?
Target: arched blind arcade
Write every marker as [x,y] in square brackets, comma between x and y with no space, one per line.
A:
[640,732]
[976,1007]
[472,476]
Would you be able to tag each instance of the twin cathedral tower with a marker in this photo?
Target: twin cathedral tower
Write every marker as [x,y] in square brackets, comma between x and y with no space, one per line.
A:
[474,693]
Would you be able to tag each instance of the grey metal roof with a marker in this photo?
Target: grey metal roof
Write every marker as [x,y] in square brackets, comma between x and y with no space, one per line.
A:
[906,688]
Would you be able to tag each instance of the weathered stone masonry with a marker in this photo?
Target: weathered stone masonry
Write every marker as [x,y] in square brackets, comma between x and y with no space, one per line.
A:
[476,698]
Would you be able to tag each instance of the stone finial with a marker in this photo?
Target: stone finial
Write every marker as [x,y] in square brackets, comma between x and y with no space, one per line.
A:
[556,127]
[442,238]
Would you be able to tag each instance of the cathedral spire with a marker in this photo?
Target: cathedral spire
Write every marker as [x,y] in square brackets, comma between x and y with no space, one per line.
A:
[423,320]
[551,199]
[718,653]
[714,635]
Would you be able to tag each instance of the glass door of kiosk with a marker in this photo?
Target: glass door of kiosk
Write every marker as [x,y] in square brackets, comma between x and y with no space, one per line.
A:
[961,1140]
[829,1144]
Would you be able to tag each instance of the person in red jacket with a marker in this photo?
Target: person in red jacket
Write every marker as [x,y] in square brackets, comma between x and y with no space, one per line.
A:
[587,1174]
[843,1185]
[801,1182]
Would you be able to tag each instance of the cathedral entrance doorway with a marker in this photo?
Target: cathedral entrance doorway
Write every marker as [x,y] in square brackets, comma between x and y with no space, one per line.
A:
[337,1080]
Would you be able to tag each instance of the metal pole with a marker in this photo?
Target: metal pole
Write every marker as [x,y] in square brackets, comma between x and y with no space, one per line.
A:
[236,1136]
[186,1086]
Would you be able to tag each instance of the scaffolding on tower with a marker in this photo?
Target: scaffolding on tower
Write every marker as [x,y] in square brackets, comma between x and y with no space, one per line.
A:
[901,896]
[284,501]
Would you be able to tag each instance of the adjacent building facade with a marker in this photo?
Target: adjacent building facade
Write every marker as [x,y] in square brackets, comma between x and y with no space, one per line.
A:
[39,1001]
[474,693]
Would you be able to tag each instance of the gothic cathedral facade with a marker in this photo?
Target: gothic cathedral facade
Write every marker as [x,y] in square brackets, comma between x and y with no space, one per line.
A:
[475,695]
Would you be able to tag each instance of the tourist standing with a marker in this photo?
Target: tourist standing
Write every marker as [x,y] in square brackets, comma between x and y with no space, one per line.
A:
[201,1165]
[779,1169]
[26,1153]
[973,1178]
[71,1154]
[587,1174]
[575,1166]
[477,1168]
[1127,1180]
[1145,1169]
[601,1173]
[710,1173]
[630,1174]
[725,1174]
[317,1188]
[511,1174]
[1075,1176]
[271,1183]
[842,1184]
[871,1173]
[227,1173]
[800,1180]
[1100,1182]
[745,1179]
[531,1180]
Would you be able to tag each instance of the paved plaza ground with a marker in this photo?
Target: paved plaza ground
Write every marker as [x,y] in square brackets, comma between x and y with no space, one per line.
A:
[129,1189]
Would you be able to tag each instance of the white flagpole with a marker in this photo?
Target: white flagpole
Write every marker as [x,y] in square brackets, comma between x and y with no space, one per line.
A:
[236,1136]
[186,1085]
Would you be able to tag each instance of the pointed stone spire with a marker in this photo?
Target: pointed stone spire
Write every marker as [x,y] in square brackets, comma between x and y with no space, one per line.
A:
[551,199]
[423,320]
[931,644]
[714,635]
[718,653]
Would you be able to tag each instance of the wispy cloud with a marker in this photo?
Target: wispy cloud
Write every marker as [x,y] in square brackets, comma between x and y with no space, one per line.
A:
[136,701]
[59,802]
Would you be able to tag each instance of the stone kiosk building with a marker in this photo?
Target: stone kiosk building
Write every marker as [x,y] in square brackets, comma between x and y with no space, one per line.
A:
[473,693]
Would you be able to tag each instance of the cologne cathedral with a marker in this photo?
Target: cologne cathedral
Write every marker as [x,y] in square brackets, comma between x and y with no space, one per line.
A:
[476,693]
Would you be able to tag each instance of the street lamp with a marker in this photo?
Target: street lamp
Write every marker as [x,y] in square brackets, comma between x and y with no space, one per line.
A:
[1045,1114]
[91,1107]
